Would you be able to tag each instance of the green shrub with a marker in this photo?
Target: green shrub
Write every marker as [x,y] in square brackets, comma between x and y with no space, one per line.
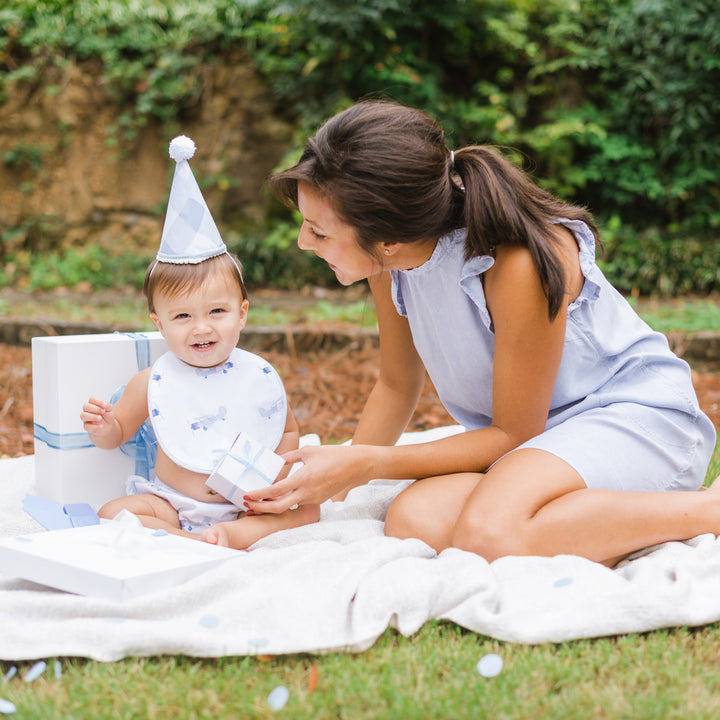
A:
[658,262]
[610,103]
[92,265]
[274,259]
[471,64]
[37,233]
[653,77]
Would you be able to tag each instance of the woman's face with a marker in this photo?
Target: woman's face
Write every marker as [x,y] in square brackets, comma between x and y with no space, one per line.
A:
[323,233]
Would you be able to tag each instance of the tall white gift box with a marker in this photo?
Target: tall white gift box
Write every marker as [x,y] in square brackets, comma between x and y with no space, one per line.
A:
[66,372]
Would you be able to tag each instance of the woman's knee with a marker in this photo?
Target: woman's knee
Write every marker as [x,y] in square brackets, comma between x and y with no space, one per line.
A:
[489,539]
[400,517]
[502,518]
[429,508]
[413,514]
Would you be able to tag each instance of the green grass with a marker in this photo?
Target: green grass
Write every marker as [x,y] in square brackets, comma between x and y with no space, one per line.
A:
[672,674]
[669,674]
[129,310]
[688,315]
[359,313]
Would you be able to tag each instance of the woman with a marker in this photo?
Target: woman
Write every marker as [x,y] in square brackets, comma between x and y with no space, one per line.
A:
[584,434]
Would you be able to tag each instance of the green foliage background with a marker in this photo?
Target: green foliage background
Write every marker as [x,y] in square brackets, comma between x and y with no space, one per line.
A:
[613,104]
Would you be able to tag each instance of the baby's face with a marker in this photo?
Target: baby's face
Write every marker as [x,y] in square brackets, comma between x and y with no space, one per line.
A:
[201,327]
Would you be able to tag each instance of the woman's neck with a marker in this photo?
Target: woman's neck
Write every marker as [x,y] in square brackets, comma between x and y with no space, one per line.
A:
[412,255]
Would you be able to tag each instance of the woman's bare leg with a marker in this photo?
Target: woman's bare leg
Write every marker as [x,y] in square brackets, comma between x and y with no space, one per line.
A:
[429,509]
[533,503]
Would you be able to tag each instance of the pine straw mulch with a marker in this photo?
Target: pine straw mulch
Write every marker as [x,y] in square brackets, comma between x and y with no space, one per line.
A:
[327,390]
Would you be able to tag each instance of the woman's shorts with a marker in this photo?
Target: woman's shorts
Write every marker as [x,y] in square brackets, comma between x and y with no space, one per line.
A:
[628,446]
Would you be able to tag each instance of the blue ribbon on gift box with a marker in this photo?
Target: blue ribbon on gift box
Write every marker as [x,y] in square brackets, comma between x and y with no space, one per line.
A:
[248,462]
[142,447]
[61,441]
[142,348]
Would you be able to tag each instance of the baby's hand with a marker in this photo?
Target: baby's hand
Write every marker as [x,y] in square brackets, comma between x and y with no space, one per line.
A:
[97,416]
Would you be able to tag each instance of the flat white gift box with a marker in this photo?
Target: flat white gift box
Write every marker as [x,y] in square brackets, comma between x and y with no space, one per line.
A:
[114,560]
[66,372]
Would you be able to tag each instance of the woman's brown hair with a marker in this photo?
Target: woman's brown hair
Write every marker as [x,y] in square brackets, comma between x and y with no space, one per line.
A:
[388,173]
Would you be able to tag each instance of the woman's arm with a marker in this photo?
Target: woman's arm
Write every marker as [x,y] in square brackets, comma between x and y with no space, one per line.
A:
[397,390]
[528,345]
[527,354]
[528,350]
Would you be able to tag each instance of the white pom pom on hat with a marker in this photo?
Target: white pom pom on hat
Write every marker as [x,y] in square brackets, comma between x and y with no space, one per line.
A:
[189,234]
[181,148]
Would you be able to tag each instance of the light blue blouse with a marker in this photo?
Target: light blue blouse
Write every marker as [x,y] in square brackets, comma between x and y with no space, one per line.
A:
[610,354]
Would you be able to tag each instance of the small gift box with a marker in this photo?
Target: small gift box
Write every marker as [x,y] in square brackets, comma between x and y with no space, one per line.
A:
[247,466]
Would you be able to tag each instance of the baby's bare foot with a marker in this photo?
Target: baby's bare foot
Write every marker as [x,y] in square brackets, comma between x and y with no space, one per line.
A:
[212,536]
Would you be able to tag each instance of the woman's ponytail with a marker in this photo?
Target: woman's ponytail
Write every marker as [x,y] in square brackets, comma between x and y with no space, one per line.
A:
[504,206]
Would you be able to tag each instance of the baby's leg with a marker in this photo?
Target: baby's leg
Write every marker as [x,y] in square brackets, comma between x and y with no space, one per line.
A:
[152,511]
[248,529]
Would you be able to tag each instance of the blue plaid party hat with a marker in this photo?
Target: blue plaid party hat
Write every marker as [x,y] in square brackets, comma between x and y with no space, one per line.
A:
[189,234]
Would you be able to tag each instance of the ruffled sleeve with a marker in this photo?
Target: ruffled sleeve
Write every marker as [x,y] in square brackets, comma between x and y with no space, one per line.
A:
[591,272]
[471,283]
[396,291]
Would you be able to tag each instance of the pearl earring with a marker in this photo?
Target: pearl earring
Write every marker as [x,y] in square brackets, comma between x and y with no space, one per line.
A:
[387,252]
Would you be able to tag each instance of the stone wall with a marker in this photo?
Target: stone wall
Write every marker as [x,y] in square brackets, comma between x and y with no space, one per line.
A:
[65,178]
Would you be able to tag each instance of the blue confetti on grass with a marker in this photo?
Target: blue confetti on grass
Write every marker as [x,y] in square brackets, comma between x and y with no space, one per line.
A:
[278,697]
[490,665]
[58,669]
[6,707]
[11,673]
[35,671]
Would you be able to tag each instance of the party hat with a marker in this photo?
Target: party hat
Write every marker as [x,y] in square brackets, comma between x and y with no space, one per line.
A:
[189,234]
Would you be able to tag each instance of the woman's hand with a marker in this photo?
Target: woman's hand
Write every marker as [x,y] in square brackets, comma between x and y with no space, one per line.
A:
[326,471]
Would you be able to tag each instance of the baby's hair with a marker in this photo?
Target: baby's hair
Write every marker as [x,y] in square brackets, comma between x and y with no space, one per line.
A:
[388,173]
[178,279]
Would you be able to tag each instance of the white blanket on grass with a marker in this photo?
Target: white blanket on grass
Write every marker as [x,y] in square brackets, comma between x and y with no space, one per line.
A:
[338,584]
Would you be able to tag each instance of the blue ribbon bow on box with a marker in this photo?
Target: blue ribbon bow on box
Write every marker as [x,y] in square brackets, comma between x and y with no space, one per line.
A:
[247,465]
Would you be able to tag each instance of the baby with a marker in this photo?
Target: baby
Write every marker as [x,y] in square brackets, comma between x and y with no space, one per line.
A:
[201,394]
